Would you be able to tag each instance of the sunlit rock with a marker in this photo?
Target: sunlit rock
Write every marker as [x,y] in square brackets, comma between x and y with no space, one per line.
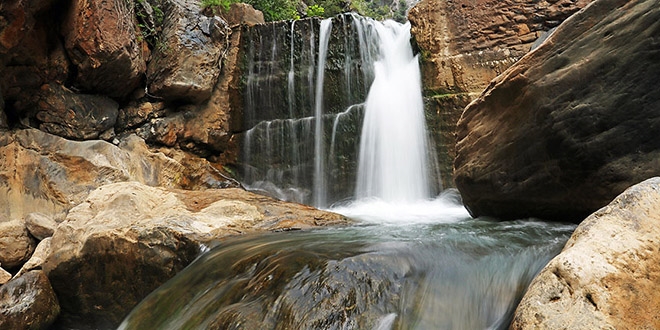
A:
[37,259]
[40,225]
[608,275]
[572,124]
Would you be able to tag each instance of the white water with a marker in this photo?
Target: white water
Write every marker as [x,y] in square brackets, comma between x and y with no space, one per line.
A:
[319,152]
[393,164]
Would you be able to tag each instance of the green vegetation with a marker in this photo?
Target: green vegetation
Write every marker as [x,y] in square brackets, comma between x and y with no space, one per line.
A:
[315,11]
[275,10]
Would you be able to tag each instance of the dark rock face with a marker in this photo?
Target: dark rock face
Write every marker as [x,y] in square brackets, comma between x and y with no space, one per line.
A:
[187,64]
[28,302]
[101,41]
[572,124]
[74,116]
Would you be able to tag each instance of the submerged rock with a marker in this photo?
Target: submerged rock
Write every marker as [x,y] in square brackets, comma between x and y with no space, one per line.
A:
[28,302]
[572,124]
[128,238]
[608,275]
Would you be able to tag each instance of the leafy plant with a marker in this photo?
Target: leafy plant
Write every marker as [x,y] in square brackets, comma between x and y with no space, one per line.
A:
[315,11]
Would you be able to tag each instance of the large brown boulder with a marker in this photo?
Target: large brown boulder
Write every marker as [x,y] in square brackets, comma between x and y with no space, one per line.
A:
[16,244]
[186,62]
[608,275]
[101,40]
[127,238]
[40,172]
[572,124]
[28,302]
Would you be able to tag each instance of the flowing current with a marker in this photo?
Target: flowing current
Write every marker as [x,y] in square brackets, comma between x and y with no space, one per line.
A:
[412,260]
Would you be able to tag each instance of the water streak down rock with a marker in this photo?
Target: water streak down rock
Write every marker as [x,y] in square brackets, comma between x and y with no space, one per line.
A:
[572,124]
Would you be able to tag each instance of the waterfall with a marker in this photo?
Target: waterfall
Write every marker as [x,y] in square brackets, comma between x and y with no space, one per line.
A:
[319,150]
[319,73]
[393,163]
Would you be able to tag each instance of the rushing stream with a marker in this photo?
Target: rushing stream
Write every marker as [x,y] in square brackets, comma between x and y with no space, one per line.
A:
[411,261]
[435,269]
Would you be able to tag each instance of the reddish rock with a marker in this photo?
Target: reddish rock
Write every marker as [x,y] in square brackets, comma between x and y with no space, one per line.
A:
[572,124]
[101,40]
[243,14]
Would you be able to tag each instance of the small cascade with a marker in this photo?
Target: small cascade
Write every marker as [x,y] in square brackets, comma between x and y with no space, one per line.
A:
[326,69]
[393,164]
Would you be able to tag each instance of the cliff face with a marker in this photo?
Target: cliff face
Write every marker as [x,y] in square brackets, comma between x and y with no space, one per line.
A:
[467,43]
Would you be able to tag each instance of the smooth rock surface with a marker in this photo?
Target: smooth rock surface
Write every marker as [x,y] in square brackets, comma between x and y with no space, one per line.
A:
[572,124]
[16,245]
[128,238]
[608,274]
[28,302]
[5,276]
[101,40]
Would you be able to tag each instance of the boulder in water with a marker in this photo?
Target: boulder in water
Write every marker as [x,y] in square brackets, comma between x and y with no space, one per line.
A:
[128,238]
[28,302]
[572,124]
[608,275]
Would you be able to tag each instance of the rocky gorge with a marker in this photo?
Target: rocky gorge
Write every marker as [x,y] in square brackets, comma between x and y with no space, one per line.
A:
[121,120]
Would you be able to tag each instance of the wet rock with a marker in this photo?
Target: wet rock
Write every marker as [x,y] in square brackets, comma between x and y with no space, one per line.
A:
[74,116]
[572,124]
[37,259]
[186,63]
[101,40]
[607,275]
[40,225]
[127,238]
[28,302]
[40,172]
[16,245]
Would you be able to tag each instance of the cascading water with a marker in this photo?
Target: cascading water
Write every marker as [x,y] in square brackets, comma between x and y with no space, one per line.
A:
[393,148]
[410,262]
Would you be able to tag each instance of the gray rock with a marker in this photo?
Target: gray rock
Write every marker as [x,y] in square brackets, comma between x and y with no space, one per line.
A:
[28,302]
[608,275]
[186,63]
